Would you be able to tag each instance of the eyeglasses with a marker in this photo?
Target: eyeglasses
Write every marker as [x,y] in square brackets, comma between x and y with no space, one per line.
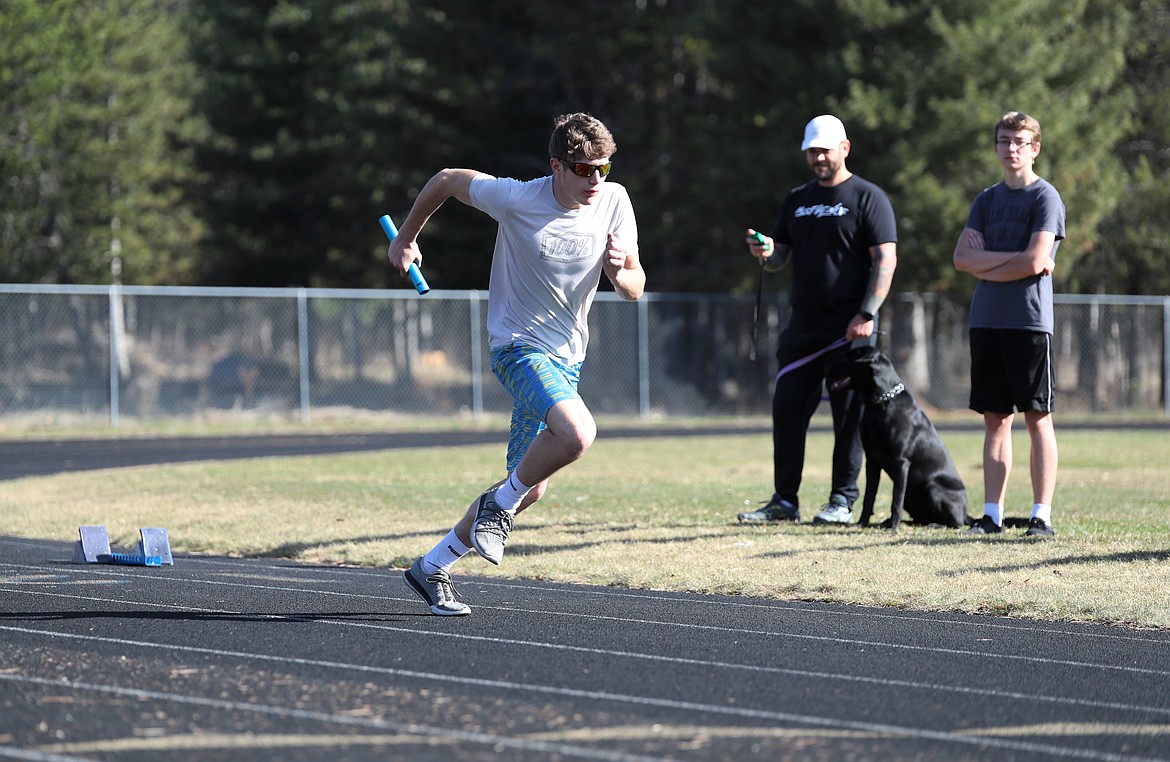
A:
[581,169]
[1013,143]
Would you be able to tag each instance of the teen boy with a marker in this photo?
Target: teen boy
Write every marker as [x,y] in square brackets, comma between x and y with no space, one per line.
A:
[1013,231]
[557,235]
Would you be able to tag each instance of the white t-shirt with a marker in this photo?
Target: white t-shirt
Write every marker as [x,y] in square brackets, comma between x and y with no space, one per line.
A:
[547,261]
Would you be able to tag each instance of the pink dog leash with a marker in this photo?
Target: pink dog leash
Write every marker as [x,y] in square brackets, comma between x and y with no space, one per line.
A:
[809,358]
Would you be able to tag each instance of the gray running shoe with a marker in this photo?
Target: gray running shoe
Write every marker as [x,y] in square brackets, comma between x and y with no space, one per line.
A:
[834,512]
[489,531]
[436,589]
[774,510]
[983,526]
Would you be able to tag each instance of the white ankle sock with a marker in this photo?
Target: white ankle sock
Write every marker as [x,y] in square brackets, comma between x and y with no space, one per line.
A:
[444,555]
[1042,512]
[510,494]
[994,511]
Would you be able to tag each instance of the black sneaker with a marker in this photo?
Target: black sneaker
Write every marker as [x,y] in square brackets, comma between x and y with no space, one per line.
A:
[1039,528]
[981,527]
[774,510]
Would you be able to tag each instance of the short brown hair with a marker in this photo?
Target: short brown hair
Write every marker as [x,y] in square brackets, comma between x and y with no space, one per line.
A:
[580,137]
[1014,121]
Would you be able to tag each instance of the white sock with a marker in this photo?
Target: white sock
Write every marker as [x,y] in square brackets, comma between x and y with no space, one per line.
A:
[511,493]
[1042,512]
[994,511]
[444,555]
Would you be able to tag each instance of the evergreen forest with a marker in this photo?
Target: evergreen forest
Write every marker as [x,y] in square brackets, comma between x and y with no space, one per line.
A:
[218,142]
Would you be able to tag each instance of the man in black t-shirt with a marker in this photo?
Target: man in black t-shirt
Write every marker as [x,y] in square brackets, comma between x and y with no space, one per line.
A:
[840,234]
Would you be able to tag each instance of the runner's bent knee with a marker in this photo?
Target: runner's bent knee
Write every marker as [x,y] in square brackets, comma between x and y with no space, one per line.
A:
[572,423]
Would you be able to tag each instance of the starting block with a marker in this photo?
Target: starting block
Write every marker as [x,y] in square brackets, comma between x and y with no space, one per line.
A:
[93,547]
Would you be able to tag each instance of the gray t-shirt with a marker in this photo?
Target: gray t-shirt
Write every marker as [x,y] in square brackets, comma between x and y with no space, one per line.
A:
[547,262]
[1008,218]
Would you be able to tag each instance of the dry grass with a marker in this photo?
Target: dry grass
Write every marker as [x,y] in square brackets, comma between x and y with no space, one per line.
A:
[659,513]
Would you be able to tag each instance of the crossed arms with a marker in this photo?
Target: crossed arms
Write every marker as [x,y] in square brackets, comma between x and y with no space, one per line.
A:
[1003,266]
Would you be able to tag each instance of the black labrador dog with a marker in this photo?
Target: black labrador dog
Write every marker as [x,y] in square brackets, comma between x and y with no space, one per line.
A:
[899,439]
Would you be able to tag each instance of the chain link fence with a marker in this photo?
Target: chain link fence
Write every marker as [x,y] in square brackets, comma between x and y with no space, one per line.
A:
[155,352]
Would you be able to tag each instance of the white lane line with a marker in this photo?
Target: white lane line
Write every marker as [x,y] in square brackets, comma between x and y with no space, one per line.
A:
[409,729]
[949,652]
[647,657]
[11,752]
[966,739]
[847,611]
[799,607]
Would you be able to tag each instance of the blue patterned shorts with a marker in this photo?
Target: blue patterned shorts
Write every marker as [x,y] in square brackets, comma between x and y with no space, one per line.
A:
[536,381]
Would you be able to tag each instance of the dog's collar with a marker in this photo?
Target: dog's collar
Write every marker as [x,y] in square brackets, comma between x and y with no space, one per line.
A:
[887,396]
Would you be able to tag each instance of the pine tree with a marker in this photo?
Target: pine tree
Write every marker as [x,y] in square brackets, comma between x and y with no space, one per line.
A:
[89,192]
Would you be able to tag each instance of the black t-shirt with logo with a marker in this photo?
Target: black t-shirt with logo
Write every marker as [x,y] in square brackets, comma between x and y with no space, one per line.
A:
[830,231]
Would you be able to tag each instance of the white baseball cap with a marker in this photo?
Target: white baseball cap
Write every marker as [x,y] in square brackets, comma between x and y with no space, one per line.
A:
[825,131]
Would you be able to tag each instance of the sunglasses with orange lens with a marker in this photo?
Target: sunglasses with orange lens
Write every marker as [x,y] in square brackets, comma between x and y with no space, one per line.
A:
[581,169]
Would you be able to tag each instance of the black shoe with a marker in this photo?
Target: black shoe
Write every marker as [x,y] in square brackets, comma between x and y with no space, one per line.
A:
[981,527]
[1039,528]
[775,510]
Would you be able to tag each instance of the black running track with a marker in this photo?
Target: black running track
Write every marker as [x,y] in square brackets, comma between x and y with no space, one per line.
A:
[242,659]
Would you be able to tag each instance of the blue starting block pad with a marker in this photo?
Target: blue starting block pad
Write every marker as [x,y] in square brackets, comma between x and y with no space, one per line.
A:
[127,559]
[93,547]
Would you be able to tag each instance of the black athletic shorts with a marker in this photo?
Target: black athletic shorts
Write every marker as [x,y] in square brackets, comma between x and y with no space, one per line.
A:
[1011,370]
